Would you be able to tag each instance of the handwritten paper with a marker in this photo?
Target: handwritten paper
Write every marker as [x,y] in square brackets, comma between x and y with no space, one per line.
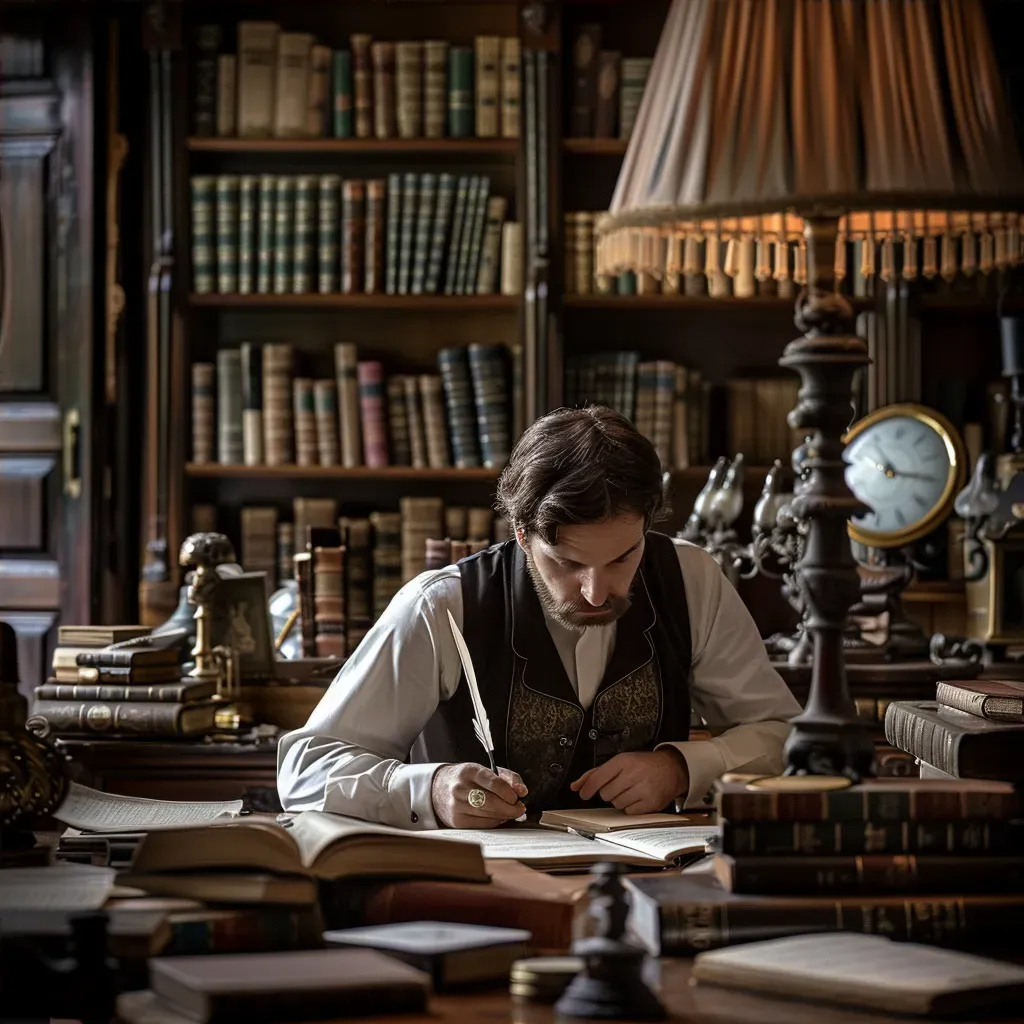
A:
[92,811]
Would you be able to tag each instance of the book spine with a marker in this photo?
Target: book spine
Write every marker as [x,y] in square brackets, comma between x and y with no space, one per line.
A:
[227,95]
[358,577]
[370,377]
[442,218]
[204,85]
[607,110]
[285,551]
[414,416]
[304,414]
[476,239]
[248,185]
[362,85]
[511,88]
[149,718]
[409,62]
[327,259]
[257,67]
[424,231]
[329,601]
[408,237]
[435,88]
[383,56]
[585,51]
[462,192]
[304,585]
[511,258]
[690,928]
[341,94]
[203,411]
[284,237]
[633,77]
[304,234]
[981,705]
[242,931]
[345,360]
[488,56]
[875,874]
[252,403]
[393,241]
[169,693]
[259,540]
[291,98]
[458,392]
[326,407]
[387,558]
[229,407]
[319,92]
[266,221]
[490,393]
[376,199]
[490,252]
[203,191]
[398,423]
[460,92]
[277,404]
[353,234]
[435,429]
[790,838]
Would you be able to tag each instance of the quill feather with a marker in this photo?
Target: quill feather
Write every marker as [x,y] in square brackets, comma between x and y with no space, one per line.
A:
[481,726]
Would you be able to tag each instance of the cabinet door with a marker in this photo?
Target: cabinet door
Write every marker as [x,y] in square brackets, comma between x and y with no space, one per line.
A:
[45,345]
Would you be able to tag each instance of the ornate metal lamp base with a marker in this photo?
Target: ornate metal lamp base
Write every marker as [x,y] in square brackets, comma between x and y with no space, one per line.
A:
[836,748]
[611,985]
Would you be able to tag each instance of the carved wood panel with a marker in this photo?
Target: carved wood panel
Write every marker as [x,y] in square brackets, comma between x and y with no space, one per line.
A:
[23,481]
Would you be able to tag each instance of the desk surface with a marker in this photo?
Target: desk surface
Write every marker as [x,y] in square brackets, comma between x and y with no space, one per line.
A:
[694,1004]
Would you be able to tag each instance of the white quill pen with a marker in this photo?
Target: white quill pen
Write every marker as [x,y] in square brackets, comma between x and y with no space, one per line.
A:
[481,726]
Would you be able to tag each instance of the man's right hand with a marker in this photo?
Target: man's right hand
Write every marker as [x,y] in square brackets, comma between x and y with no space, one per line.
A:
[449,793]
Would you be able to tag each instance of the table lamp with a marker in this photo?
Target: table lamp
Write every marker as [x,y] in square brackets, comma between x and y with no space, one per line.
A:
[817,109]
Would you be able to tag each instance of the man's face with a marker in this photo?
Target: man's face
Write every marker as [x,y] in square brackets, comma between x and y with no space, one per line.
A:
[584,578]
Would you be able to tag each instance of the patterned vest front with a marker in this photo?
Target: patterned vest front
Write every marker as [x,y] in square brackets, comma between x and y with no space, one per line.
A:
[539,728]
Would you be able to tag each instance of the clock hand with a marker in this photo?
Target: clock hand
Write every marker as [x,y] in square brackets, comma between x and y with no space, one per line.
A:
[882,468]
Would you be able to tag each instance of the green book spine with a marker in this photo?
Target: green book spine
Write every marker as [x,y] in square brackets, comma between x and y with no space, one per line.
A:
[284,236]
[327,251]
[393,241]
[421,251]
[305,234]
[203,191]
[468,227]
[445,201]
[247,189]
[476,239]
[341,94]
[227,233]
[460,92]
[461,199]
[265,234]
[626,283]
[409,189]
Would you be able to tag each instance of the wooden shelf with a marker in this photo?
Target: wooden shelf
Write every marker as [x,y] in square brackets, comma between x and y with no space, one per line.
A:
[595,147]
[936,592]
[675,302]
[314,300]
[216,470]
[384,147]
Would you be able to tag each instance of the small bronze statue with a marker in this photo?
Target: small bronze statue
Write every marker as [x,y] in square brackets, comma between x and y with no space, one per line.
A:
[203,552]
[611,984]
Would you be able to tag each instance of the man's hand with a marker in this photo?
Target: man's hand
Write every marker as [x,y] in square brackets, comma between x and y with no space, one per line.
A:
[449,793]
[637,781]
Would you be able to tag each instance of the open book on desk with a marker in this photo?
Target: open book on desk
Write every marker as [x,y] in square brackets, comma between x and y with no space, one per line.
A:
[550,850]
[588,821]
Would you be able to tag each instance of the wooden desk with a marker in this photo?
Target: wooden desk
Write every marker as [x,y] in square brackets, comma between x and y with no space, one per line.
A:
[697,1004]
[179,771]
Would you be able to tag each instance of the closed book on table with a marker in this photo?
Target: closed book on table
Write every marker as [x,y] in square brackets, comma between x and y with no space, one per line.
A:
[995,699]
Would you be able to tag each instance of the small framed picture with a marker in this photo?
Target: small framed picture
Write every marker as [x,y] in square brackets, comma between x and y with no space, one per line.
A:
[240,619]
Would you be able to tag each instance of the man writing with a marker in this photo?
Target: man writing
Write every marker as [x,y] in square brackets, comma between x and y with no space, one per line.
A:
[592,637]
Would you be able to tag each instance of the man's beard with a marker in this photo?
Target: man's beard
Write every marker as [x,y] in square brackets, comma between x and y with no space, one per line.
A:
[570,613]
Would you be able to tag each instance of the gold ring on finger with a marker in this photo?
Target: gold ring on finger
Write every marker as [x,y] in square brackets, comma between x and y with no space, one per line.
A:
[477,798]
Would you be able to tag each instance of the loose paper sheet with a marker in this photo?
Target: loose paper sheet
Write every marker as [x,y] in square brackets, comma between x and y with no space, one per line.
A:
[663,842]
[56,887]
[534,844]
[93,811]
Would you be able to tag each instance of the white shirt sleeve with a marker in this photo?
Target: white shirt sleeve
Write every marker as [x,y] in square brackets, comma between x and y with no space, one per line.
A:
[733,687]
[349,756]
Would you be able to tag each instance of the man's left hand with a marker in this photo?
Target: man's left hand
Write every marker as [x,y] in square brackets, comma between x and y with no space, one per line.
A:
[637,781]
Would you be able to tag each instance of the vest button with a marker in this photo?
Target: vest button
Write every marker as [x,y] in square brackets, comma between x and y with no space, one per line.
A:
[563,741]
[592,734]
[414,817]
[625,731]
[555,769]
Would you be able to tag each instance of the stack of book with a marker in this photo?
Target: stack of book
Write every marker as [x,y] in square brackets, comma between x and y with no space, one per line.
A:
[931,861]
[114,680]
[289,85]
[409,234]
[972,730]
[255,408]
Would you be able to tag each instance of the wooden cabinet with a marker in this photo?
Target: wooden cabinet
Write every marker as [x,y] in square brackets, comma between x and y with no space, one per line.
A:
[46,364]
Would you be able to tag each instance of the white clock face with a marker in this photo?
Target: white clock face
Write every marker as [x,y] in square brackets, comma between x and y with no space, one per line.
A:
[899,467]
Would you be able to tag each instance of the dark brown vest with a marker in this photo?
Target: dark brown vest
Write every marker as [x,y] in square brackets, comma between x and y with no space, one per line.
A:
[539,728]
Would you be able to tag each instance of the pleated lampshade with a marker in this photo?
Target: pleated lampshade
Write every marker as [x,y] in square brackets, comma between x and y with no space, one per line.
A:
[773,107]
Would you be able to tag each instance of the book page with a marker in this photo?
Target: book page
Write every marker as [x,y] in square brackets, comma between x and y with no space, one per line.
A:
[71,887]
[92,811]
[534,844]
[315,831]
[608,819]
[664,843]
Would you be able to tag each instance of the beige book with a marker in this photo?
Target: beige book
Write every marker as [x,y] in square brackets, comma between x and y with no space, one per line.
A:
[409,91]
[487,275]
[511,258]
[345,359]
[608,819]
[257,64]
[869,971]
[510,79]
[225,887]
[488,55]
[227,95]
[311,843]
[291,96]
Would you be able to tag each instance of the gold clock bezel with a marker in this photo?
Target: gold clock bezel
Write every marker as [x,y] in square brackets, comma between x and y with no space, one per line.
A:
[954,478]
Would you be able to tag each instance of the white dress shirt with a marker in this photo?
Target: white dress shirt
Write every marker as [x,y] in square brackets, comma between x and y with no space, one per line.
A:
[349,756]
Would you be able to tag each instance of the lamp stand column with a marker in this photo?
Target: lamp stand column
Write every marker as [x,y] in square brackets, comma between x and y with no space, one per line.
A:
[826,738]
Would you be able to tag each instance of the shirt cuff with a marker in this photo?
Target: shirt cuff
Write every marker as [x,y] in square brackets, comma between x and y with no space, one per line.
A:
[705,763]
[408,789]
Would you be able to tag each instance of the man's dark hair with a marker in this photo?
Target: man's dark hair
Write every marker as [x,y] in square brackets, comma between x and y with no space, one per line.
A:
[580,466]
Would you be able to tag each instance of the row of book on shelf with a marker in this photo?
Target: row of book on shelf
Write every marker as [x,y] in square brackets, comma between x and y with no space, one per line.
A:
[407,234]
[607,88]
[467,415]
[289,85]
